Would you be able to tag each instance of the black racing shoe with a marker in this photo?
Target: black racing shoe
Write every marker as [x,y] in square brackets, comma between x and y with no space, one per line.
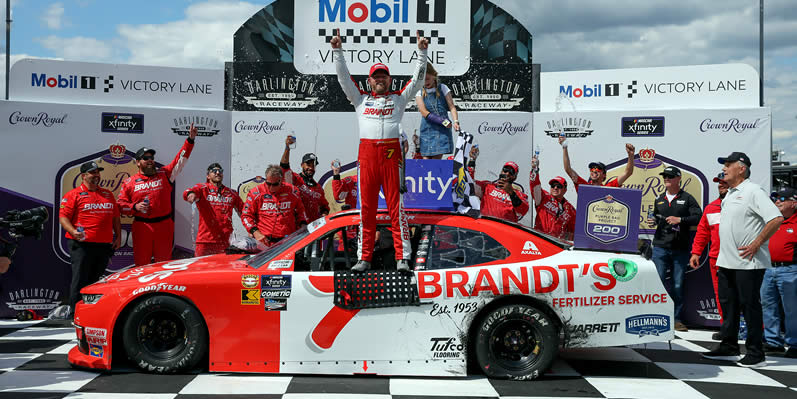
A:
[791,353]
[773,349]
[752,361]
[716,336]
[722,353]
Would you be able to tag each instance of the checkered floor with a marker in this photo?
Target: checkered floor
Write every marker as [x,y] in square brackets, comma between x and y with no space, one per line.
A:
[33,365]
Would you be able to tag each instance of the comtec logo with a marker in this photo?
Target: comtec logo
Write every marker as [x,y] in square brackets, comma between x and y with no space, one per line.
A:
[63,82]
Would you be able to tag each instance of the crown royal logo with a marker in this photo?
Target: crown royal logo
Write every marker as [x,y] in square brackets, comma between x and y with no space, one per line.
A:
[647,155]
[117,151]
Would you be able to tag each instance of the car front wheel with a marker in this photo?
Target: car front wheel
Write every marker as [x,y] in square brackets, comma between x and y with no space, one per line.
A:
[164,334]
[516,342]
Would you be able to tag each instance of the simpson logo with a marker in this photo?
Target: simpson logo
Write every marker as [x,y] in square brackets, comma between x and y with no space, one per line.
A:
[530,249]
[647,324]
[250,280]
[250,297]
[281,264]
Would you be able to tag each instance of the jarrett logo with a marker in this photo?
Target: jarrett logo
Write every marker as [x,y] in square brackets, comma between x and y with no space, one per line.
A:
[446,348]
[205,126]
[569,127]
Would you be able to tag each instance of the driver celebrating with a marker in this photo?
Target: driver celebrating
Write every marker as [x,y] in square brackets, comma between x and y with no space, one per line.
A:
[379,116]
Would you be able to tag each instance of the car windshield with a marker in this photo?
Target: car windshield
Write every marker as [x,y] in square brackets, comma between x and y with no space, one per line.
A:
[269,254]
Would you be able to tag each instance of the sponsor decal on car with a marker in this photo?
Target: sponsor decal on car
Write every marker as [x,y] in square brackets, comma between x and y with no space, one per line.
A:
[275,290]
[277,282]
[281,264]
[530,249]
[647,324]
[159,287]
[276,304]
[168,269]
[594,328]
[446,348]
[96,336]
[96,350]
[250,297]
[608,300]
[250,280]
[622,270]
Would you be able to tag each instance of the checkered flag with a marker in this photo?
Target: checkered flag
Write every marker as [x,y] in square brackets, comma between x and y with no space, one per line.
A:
[463,192]
[108,84]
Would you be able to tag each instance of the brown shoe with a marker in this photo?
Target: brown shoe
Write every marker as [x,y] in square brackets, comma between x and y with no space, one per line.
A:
[680,326]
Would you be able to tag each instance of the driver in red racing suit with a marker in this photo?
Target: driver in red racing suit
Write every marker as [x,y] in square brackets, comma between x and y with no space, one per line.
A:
[556,216]
[379,116]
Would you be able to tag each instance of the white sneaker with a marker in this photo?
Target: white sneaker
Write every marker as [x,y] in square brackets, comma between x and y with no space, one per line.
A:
[402,266]
[361,266]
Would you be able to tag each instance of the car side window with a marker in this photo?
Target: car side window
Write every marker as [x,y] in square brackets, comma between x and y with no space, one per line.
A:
[445,247]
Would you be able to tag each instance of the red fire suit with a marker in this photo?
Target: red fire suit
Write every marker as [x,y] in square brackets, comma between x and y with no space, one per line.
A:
[496,202]
[345,190]
[312,194]
[708,229]
[215,206]
[153,232]
[610,183]
[275,213]
[92,210]
[554,218]
[379,120]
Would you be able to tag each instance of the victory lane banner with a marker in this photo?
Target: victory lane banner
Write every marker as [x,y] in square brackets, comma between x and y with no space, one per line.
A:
[606,218]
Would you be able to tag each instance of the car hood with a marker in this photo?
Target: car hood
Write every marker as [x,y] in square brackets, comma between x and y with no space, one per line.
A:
[162,271]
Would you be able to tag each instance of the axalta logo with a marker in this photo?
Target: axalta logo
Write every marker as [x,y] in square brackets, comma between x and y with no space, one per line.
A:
[530,249]
[89,207]
[593,90]
[148,185]
[63,82]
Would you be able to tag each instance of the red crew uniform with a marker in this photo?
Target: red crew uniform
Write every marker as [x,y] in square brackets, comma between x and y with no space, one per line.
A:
[496,202]
[783,242]
[215,206]
[153,232]
[275,215]
[708,230]
[554,218]
[312,195]
[345,190]
[610,183]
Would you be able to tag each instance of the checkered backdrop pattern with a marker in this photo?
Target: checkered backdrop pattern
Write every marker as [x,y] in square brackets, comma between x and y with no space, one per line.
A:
[381,36]
[267,36]
[498,35]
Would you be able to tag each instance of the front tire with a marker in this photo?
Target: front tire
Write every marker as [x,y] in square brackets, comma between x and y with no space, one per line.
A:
[164,334]
[516,342]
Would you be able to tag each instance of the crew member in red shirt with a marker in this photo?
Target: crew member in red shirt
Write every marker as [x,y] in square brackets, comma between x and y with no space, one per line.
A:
[147,195]
[215,203]
[708,229]
[597,170]
[90,216]
[499,198]
[779,288]
[556,216]
[273,209]
[312,194]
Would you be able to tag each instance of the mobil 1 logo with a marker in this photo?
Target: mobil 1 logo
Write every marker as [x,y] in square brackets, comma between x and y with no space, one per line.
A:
[643,126]
[115,122]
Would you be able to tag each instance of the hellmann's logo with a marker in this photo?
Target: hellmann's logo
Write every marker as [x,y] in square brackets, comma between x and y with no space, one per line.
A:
[647,324]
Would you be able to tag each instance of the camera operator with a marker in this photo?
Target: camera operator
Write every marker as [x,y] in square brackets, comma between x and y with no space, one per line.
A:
[90,216]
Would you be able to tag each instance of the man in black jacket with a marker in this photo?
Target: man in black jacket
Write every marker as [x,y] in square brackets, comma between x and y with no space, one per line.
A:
[675,212]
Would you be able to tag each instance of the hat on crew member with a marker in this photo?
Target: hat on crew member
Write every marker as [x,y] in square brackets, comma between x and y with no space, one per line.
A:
[671,171]
[720,177]
[377,67]
[598,165]
[785,192]
[310,157]
[143,150]
[512,165]
[90,166]
[736,156]
[558,179]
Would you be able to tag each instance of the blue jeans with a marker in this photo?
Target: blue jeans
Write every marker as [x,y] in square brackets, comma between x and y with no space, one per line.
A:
[779,291]
[676,260]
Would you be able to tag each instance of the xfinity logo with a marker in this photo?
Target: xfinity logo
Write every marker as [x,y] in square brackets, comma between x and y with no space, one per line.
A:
[122,123]
[647,126]
[734,124]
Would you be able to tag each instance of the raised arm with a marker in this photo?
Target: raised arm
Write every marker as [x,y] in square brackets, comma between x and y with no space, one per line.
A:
[629,167]
[419,74]
[349,86]
[566,160]
[174,168]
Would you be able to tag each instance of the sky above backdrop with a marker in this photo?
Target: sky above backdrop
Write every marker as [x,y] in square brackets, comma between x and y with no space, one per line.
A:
[568,35]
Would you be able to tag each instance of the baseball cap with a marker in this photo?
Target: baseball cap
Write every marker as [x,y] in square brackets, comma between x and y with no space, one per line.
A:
[736,156]
[785,192]
[720,177]
[143,150]
[671,171]
[512,165]
[310,157]
[558,179]
[598,165]
[379,66]
[90,167]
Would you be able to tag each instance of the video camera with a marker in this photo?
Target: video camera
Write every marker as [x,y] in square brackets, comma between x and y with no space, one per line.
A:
[27,223]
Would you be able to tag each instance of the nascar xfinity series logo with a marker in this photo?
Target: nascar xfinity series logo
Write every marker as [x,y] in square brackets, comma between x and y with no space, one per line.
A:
[643,126]
[647,324]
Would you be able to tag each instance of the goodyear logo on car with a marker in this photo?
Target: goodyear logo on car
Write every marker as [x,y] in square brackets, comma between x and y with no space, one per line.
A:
[95,350]
[250,297]
[647,324]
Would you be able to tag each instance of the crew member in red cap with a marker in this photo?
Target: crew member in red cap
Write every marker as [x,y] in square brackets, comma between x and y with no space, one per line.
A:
[312,194]
[597,170]
[147,195]
[708,229]
[499,198]
[215,203]
[273,209]
[90,216]
[556,216]
[379,114]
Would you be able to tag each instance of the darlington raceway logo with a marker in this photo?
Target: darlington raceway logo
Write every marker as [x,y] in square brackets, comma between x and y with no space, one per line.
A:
[114,122]
[647,324]
[205,126]
[281,93]
[570,127]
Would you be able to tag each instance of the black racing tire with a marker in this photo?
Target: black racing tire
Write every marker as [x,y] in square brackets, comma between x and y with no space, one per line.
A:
[164,334]
[517,342]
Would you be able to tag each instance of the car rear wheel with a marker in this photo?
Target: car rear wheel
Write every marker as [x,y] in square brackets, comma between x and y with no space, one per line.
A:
[164,334]
[516,342]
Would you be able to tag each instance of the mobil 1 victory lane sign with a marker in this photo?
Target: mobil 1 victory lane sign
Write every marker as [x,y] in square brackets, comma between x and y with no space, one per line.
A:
[381,31]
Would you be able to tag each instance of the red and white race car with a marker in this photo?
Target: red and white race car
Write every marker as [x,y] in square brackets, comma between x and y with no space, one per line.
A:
[484,291]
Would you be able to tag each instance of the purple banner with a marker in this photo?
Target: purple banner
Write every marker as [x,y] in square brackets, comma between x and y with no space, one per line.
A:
[606,218]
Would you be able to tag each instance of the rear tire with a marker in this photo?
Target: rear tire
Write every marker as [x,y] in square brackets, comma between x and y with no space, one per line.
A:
[164,334]
[517,342]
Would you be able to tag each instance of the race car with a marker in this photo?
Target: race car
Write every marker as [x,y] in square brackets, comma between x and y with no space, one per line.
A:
[483,292]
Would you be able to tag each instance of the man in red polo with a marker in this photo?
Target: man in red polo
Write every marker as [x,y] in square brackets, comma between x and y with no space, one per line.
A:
[273,209]
[556,216]
[147,196]
[215,203]
[499,198]
[597,170]
[312,194]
